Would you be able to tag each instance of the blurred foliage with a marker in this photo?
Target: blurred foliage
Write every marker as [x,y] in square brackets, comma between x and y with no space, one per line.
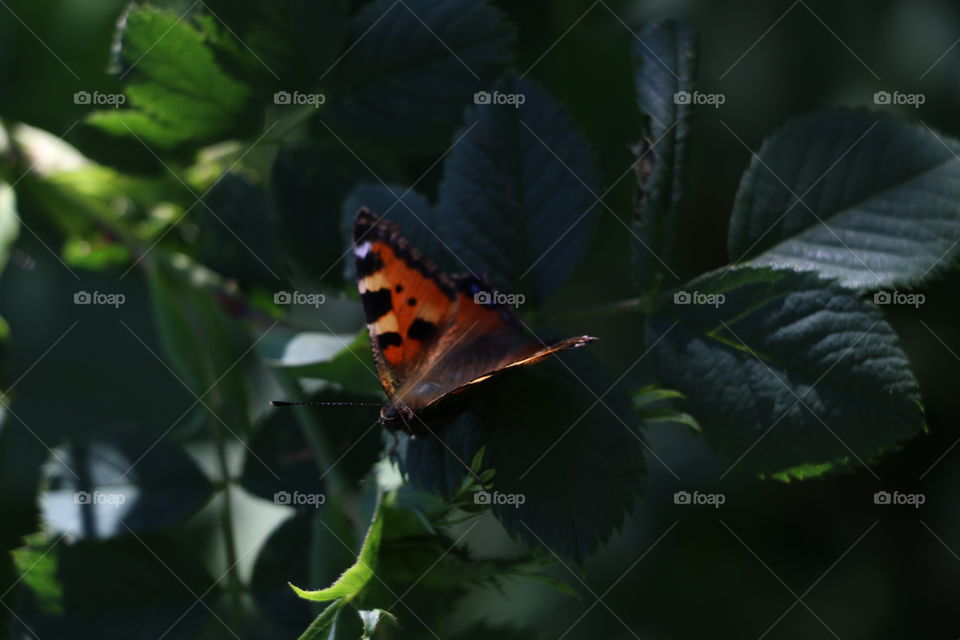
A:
[177,187]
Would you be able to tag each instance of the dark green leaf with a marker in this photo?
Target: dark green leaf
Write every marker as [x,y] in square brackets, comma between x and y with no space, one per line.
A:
[852,195]
[237,234]
[783,369]
[518,198]
[665,59]
[412,68]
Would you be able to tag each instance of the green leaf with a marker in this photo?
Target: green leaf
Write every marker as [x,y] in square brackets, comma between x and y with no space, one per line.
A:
[371,618]
[177,92]
[413,66]
[665,61]
[852,195]
[109,487]
[9,222]
[518,197]
[38,568]
[352,582]
[783,369]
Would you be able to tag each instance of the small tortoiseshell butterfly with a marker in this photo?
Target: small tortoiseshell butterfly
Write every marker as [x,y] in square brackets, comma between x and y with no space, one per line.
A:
[431,338]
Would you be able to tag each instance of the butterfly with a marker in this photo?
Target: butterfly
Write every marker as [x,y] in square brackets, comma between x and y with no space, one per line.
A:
[434,335]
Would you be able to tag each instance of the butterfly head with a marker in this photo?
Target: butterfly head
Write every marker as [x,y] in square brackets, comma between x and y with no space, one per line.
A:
[396,417]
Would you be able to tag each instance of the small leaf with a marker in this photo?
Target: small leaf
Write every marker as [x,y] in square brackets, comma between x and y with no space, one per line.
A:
[856,196]
[352,582]
[518,197]
[783,369]
[665,59]
[177,92]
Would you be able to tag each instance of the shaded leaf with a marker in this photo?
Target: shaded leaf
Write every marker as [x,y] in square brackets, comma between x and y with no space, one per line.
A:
[852,195]
[517,199]
[786,369]
[412,68]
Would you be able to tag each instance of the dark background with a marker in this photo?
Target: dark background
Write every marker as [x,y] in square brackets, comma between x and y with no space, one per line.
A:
[872,571]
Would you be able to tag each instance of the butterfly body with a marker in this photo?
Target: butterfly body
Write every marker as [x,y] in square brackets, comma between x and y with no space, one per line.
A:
[434,336]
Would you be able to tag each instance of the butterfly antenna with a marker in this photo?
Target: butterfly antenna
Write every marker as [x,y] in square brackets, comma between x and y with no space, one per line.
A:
[314,403]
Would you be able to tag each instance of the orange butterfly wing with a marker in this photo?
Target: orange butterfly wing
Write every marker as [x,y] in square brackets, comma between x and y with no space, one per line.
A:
[431,339]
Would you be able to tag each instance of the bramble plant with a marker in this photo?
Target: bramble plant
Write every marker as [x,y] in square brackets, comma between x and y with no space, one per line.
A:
[252,133]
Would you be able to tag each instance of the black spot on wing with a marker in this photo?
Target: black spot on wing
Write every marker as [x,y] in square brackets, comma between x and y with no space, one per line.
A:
[369,264]
[412,302]
[421,330]
[376,304]
[398,288]
[389,339]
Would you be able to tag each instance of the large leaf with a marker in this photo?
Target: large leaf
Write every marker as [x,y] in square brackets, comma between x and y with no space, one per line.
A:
[110,487]
[783,369]
[665,59]
[518,198]
[177,92]
[868,200]
[412,66]
[538,425]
